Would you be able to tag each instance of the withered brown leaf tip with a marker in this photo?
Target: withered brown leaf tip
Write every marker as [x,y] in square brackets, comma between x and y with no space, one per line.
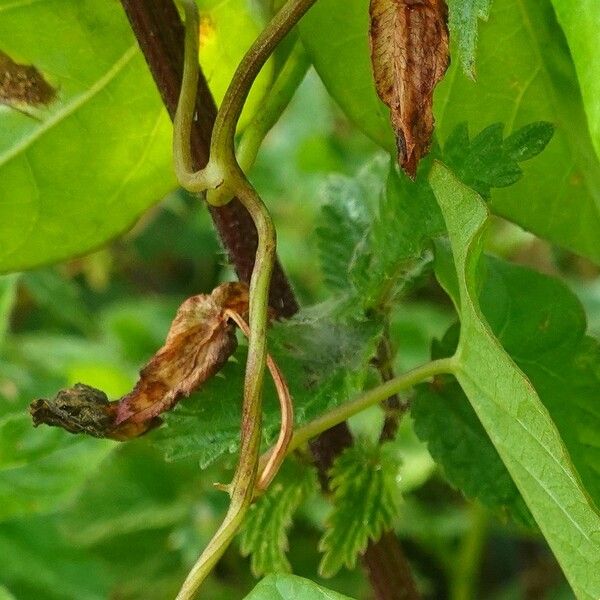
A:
[199,343]
[409,55]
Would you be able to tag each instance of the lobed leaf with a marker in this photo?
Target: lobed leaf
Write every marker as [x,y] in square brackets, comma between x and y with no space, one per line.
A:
[489,161]
[364,495]
[511,412]
[264,535]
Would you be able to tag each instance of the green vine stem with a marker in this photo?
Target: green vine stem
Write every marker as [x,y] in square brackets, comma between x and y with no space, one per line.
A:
[378,394]
[286,83]
[223,169]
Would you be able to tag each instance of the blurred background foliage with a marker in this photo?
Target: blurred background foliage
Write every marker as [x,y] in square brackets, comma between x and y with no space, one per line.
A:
[88,519]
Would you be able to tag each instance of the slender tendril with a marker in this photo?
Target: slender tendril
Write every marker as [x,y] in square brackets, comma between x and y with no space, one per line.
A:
[223,169]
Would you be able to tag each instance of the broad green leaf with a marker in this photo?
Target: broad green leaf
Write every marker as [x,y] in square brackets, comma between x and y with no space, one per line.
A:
[227,30]
[343,63]
[458,442]
[524,74]
[133,490]
[463,22]
[37,562]
[40,470]
[365,503]
[5,594]
[8,289]
[100,154]
[291,587]
[511,412]
[264,536]
[541,324]
[324,356]
[581,22]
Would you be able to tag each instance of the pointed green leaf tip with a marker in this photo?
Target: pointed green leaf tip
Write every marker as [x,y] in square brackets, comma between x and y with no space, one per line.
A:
[509,408]
[363,482]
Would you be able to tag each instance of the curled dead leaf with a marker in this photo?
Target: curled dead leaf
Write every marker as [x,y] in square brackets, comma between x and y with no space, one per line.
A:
[409,55]
[199,343]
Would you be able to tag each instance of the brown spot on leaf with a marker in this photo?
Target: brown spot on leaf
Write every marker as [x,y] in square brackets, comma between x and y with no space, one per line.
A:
[409,55]
[23,84]
[199,343]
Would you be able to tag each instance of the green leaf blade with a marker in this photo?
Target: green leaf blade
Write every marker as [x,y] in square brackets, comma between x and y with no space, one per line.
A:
[363,482]
[264,536]
[508,407]
[291,587]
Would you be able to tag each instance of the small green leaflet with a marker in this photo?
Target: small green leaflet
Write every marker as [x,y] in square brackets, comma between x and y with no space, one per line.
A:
[489,161]
[8,289]
[290,587]
[510,410]
[264,536]
[462,19]
[365,503]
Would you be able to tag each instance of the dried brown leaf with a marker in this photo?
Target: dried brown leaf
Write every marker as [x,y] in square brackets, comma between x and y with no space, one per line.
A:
[409,55]
[23,84]
[199,342]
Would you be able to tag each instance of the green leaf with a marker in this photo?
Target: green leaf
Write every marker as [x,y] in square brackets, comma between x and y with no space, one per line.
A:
[37,562]
[559,196]
[40,470]
[8,290]
[488,161]
[581,23]
[462,19]
[291,587]
[534,79]
[5,594]
[518,424]
[133,490]
[324,355]
[264,536]
[365,504]
[458,442]
[100,154]
[542,325]
[343,62]
[344,218]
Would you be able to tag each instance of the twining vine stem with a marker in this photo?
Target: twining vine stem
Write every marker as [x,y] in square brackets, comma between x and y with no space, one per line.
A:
[223,170]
